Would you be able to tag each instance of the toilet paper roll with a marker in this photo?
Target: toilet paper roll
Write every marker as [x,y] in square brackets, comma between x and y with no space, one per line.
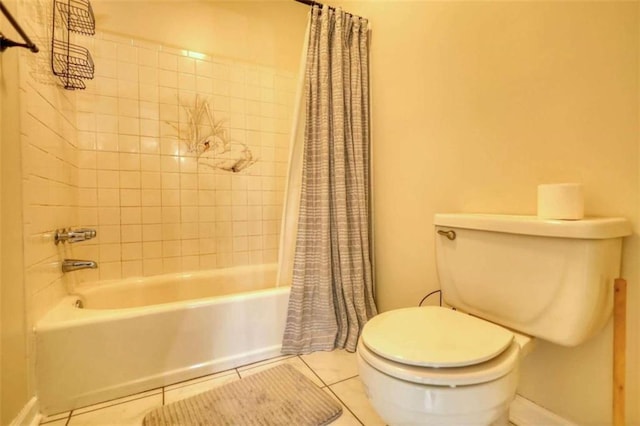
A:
[561,201]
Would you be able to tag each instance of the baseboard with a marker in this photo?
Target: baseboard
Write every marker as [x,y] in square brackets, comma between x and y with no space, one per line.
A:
[524,412]
[29,414]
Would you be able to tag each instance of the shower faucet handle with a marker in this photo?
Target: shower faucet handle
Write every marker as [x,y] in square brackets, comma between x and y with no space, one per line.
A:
[74,235]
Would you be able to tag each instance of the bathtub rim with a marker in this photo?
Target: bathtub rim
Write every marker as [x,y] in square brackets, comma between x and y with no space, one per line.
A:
[66,314]
[93,286]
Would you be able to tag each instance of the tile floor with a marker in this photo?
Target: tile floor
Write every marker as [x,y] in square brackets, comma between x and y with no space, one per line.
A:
[336,372]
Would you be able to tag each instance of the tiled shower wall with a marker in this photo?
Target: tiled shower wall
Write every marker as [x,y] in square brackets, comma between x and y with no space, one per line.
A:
[156,208]
[48,140]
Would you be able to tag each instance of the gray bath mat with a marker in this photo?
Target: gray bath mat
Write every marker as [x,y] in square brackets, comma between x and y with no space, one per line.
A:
[278,396]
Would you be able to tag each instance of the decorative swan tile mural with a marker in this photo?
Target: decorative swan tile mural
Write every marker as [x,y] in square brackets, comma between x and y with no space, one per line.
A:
[209,140]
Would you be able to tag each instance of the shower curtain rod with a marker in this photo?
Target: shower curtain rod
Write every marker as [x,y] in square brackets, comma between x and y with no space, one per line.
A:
[6,43]
[315,3]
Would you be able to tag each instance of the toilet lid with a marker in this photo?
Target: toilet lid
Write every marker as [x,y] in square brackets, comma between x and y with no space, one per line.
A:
[434,337]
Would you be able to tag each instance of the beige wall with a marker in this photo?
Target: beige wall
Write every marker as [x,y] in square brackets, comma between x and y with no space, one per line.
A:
[13,343]
[474,104]
[2,332]
[1,276]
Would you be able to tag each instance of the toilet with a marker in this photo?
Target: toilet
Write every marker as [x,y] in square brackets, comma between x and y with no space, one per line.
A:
[508,280]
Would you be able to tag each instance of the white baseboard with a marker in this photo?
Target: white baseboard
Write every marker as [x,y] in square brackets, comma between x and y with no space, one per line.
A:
[29,414]
[524,412]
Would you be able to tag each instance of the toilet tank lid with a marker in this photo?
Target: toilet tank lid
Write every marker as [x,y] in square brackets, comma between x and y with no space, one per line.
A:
[588,228]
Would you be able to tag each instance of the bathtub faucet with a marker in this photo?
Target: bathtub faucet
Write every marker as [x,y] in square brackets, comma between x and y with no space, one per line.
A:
[69,265]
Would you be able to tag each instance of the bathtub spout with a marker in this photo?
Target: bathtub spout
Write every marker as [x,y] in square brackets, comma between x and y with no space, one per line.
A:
[69,265]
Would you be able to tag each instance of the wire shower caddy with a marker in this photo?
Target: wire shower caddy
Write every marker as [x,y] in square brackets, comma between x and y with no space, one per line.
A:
[70,62]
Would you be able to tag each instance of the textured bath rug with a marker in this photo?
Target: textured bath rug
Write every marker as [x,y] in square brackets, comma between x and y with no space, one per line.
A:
[278,396]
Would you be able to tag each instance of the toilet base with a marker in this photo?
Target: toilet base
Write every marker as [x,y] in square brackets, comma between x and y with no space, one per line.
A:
[402,403]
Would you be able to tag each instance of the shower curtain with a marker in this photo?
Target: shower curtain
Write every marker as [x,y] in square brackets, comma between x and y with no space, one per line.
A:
[332,287]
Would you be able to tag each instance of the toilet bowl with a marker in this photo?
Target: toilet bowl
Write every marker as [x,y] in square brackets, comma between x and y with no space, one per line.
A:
[544,278]
[436,366]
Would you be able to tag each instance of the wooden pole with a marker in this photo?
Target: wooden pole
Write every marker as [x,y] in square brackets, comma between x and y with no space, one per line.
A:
[619,349]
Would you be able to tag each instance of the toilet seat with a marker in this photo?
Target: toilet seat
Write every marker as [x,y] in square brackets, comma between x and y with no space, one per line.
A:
[435,337]
[453,376]
[438,346]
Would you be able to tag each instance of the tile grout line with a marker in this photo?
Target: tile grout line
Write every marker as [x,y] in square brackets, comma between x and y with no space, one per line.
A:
[327,386]
[344,380]
[346,406]
[313,371]
[113,405]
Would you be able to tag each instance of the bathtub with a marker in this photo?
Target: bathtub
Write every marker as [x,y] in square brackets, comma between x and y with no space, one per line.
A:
[117,338]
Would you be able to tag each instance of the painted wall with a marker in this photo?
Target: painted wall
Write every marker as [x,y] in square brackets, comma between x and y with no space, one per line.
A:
[474,105]
[14,392]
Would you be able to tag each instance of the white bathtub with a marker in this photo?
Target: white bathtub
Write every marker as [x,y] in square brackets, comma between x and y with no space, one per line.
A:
[140,334]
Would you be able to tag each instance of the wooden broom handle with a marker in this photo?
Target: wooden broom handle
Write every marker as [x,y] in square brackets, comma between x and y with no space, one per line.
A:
[619,349]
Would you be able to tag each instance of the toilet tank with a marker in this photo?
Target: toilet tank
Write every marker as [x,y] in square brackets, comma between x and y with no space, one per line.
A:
[552,279]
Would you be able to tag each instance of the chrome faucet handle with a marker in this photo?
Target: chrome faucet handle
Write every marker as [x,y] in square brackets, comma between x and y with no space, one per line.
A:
[81,234]
[74,235]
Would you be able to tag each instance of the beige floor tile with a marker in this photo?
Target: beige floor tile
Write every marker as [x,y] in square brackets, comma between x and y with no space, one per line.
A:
[332,366]
[193,387]
[117,401]
[295,362]
[59,422]
[54,417]
[125,414]
[351,393]
[346,419]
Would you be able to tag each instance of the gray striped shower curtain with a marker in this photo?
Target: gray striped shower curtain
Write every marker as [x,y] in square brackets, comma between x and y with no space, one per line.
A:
[332,286]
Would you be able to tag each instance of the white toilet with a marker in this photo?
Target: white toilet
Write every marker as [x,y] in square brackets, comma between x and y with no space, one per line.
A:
[509,278]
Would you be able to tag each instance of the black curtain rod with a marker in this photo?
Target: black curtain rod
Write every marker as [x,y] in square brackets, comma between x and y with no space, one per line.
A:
[315,3]
[6,43]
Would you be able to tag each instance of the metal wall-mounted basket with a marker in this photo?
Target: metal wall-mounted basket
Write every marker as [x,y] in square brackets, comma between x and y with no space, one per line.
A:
[70,62]
[77,15]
